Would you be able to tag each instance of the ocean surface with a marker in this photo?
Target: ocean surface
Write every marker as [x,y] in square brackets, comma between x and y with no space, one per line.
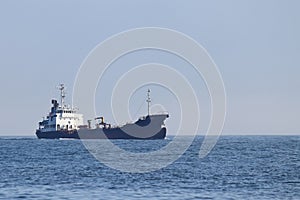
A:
[239,167]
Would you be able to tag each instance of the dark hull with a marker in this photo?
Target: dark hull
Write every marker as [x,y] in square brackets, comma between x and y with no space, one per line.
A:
[113,133]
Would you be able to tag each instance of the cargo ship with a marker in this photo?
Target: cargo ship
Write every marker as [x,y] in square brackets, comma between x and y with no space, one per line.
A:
[64,121]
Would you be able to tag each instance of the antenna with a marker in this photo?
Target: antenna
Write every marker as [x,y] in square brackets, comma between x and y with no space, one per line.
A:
[148,101]
[61,87]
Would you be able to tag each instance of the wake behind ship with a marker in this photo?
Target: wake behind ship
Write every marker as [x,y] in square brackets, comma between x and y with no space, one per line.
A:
[65,122]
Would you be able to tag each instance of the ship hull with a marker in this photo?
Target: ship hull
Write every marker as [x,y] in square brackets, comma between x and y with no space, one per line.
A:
[98,134]
[147,128]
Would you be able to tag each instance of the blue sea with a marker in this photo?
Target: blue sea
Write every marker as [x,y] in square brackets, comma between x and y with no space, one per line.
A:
[239,167]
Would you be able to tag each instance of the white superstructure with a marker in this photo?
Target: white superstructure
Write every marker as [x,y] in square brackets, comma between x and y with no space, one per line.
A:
[61,117]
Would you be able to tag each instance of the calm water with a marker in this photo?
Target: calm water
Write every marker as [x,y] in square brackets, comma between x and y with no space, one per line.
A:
[248,167]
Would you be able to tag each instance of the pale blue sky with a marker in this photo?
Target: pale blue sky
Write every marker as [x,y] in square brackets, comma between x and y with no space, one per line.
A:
[255,44]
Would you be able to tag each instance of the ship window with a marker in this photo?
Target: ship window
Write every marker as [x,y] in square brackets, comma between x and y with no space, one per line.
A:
[58,126]
[70,126]
[66,126]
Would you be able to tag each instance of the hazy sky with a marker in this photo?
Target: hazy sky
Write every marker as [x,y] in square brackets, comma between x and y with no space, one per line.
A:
[255,44]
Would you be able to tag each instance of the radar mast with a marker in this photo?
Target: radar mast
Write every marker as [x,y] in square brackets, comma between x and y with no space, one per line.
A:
[61,87]
[148,101]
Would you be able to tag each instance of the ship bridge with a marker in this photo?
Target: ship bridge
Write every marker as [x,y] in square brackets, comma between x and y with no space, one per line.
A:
[61,116]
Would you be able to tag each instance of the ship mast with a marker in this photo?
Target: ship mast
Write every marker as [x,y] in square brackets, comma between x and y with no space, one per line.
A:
[61,87]
[148,101]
